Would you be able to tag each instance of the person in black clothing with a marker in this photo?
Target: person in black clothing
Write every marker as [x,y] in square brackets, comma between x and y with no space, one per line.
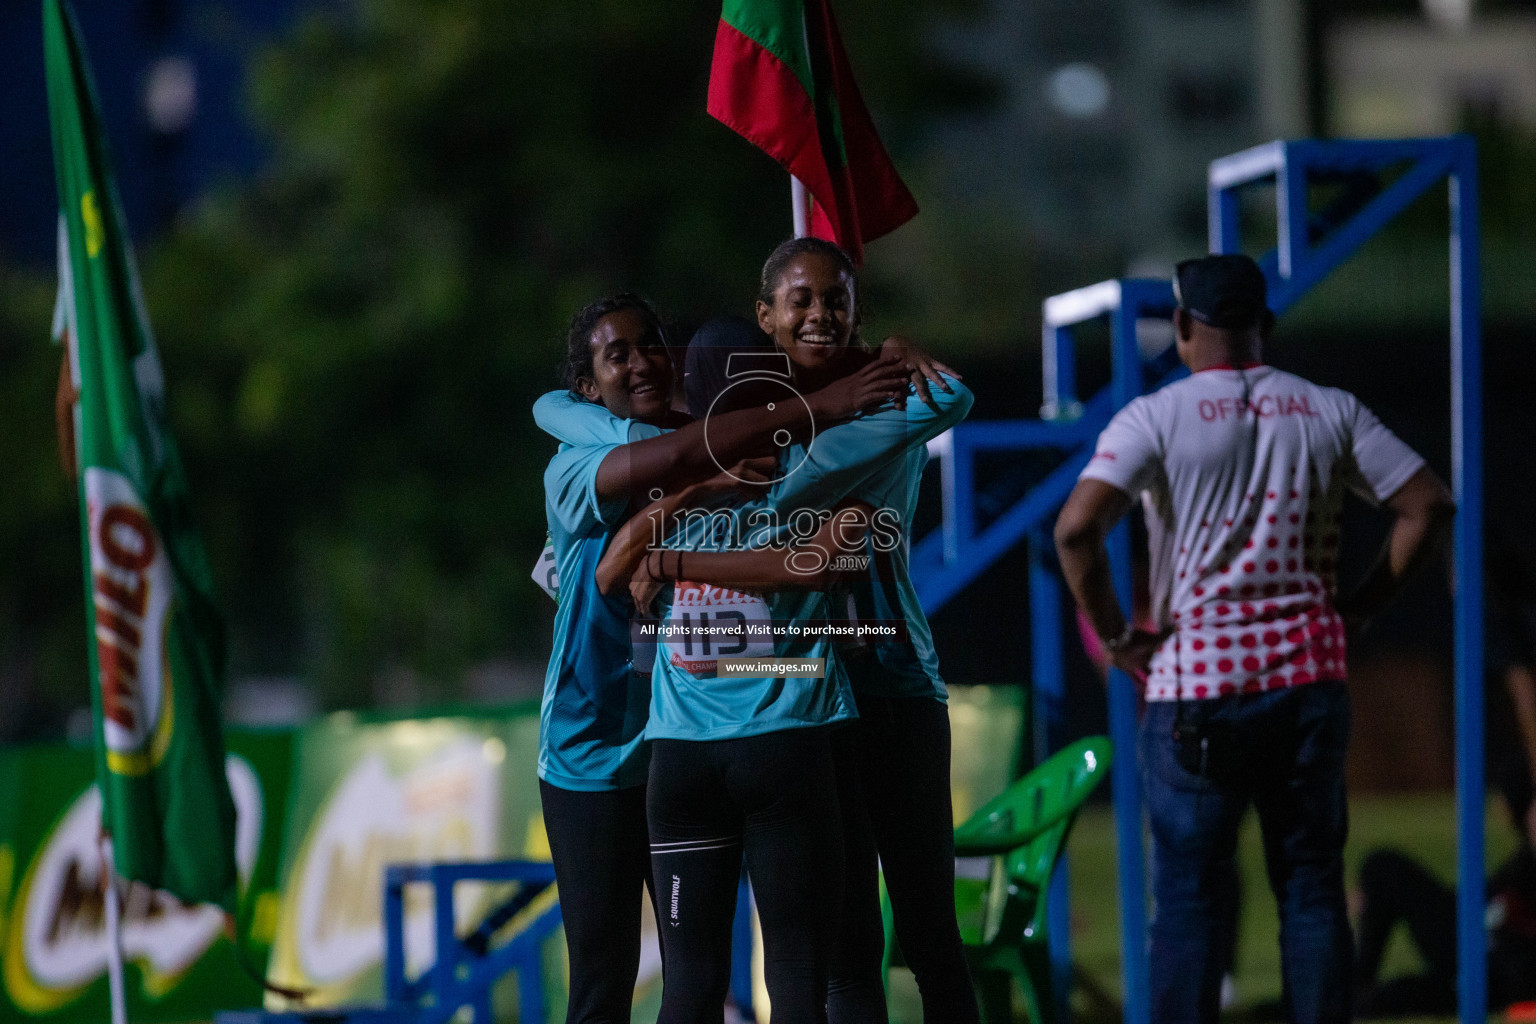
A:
[1395,889]
[1510,635]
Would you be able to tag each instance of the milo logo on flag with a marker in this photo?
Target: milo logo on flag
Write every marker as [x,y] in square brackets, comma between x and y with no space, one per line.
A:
[131,594]
[709,622]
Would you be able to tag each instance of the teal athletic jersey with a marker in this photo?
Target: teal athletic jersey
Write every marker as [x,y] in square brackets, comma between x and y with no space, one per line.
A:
[841,458]
[897,668]
[885,451]
[696,705]
[879,459]
[592,720]
[689,701]
[571,420]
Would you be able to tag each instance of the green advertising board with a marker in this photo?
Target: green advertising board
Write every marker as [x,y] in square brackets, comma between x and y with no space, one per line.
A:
[321,812]
[986,726]
[373,790]
[179,963]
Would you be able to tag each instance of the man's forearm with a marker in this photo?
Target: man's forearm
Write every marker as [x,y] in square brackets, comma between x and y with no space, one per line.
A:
[1415,538]
[1090,512]
[1085,565]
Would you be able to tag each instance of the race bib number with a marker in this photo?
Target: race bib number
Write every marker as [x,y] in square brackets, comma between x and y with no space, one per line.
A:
[709,622]
[545,573]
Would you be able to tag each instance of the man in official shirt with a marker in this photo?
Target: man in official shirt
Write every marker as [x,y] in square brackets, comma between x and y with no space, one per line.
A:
[1241,469]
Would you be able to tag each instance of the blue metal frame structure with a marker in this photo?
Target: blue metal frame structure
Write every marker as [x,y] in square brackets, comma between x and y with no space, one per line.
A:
[1311,244]
[465,969]
[1125,302]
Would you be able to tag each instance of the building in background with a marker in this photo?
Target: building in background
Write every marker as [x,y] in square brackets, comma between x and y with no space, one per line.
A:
[1403,75]
[1113,108]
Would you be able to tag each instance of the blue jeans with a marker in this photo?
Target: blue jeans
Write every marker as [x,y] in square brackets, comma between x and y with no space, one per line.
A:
[1282,751]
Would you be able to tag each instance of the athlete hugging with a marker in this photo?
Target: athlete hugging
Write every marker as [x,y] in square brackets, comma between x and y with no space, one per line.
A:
[752,529]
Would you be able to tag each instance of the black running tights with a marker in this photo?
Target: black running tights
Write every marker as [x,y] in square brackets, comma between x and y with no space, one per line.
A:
[602,865]
[771,797]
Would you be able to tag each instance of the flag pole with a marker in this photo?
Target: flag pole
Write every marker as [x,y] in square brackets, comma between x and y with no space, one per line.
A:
[115,988]
[800,202]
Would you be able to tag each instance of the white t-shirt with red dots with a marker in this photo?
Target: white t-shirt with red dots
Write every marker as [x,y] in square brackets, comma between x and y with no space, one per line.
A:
[1241,474]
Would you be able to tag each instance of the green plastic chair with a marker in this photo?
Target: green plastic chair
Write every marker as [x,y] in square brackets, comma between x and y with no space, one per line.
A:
[1002,914]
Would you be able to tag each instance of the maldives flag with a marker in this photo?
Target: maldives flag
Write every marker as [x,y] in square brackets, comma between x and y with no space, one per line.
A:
[781,80]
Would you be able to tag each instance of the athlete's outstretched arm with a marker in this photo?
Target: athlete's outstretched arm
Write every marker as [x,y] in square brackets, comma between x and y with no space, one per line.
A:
[1082,528]
[847,455]
[682,457]
[1422,511]
[572,420]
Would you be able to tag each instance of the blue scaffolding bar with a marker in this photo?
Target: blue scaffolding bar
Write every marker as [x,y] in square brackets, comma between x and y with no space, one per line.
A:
[1467,483]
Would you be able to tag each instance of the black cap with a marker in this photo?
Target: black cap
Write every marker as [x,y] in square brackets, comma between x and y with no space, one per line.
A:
[1226,291]
[707,367]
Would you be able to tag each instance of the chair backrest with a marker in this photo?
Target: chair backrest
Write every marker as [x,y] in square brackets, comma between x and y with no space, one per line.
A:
[1028,823]
[1060,785]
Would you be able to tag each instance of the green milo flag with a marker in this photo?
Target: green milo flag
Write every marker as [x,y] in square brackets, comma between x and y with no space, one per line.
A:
[155,637]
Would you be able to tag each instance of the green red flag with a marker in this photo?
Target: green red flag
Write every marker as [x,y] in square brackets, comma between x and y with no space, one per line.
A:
[781,80]
[154,634]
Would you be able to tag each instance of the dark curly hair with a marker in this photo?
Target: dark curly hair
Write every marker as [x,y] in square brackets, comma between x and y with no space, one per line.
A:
[779,259]
[578,340]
